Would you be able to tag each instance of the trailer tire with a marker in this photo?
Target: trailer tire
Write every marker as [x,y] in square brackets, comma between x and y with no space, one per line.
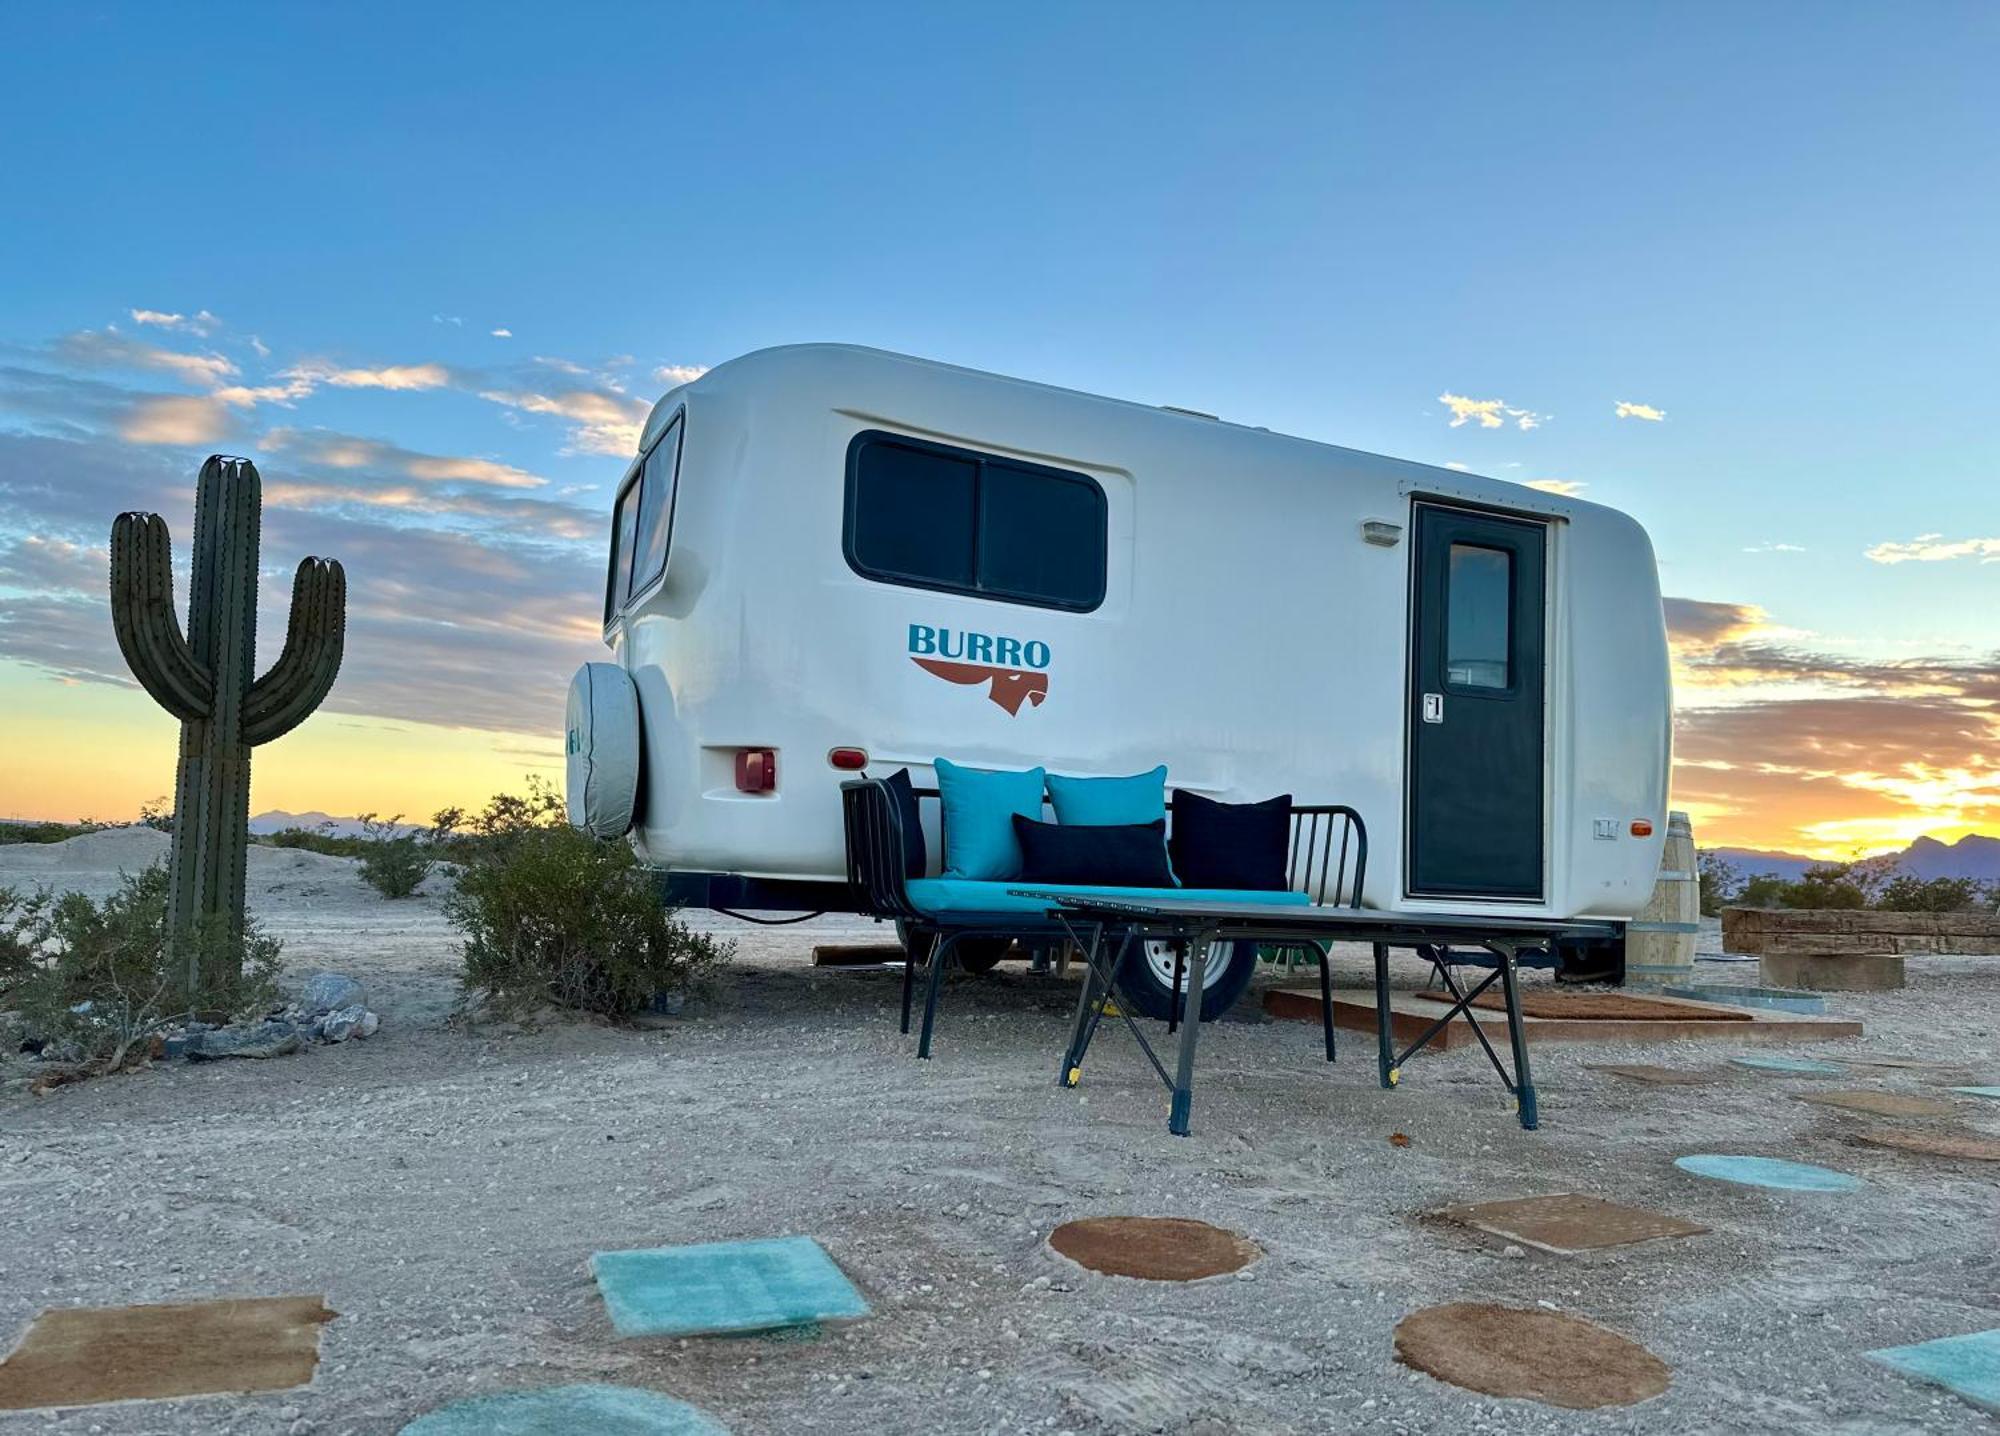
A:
[977,955]
[601,750]
[1146,978]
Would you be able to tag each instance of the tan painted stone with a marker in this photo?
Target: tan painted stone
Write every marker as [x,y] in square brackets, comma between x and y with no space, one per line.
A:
[1832,972]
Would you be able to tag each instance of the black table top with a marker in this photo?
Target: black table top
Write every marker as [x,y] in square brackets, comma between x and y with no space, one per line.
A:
[1336,923]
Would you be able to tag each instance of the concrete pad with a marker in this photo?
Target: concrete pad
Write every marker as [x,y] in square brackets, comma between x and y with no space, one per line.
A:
[81,1356]
[1836,972]
[1569,1223]
[1880,1104]
[1767,1172]
[1529,1352]
[723,1287]
[1657,1076]
[1783,999]
[567,1411]
[1978,1091]
[1967,1366]
[1789,1066]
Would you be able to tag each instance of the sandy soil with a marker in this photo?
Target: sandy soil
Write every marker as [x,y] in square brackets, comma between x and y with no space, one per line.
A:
[446,1190]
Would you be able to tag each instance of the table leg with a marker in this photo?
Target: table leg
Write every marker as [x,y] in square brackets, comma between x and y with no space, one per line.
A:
[1183,1100]
[909,981]
[1325,997]
[1385,1046]
[1524,1082]
[940,955]
[1086,998]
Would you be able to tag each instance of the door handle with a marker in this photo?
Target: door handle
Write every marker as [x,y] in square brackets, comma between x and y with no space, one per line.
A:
[1434,708]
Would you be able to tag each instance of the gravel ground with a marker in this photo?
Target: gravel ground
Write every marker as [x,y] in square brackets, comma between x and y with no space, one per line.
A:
[445,1191]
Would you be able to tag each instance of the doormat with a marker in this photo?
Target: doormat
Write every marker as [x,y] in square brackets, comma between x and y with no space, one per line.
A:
[1569,1223]
[723,1287]
[567,1410]
[1967,1366]
[1881,1104]
[1597,1007]
[1531,1353]
[1659,1076]
[1768,1172]
[1153,1248]
[1790,1066]
[81,1356]
[1935,1144]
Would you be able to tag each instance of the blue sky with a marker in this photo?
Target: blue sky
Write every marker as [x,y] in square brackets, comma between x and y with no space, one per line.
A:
[1770,223]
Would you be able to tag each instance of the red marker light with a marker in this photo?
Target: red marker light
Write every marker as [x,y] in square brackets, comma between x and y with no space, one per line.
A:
[848,760]
[757,770]
[1641,828]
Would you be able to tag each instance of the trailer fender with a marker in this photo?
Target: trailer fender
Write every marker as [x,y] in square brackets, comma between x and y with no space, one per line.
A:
[601,746]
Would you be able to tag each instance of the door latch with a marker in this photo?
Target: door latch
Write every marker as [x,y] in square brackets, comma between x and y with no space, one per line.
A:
[1434,708]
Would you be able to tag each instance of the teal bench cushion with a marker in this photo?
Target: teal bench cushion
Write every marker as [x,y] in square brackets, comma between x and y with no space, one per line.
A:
[945,897]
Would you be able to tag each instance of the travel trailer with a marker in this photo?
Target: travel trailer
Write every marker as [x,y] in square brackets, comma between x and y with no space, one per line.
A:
[827,560]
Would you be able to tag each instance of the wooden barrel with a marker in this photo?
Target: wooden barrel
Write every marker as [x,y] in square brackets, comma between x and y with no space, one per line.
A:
[1659,942]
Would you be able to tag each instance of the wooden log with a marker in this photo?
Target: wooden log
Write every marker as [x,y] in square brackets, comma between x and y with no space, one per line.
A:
[1838,972]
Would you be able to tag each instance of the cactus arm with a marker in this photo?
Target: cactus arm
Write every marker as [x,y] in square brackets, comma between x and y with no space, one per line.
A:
[314,638]
[142,615]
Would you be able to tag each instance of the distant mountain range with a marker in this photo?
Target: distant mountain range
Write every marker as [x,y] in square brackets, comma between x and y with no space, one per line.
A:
[1972,856]
[277,820]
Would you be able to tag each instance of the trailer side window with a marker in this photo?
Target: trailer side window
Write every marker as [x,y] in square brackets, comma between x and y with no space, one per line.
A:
[624,523]
[932,516]
[1479,594]
[659,484]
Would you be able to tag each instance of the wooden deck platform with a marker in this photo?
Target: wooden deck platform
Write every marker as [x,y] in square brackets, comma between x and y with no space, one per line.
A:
[1410,1014]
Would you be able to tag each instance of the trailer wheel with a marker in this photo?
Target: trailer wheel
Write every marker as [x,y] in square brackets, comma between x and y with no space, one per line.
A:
[977,955]
[1147,978]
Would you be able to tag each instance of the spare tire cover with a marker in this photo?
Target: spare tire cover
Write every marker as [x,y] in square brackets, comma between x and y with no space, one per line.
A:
[602,748]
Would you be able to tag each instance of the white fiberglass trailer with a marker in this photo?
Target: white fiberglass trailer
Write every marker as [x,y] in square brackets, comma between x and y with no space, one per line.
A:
[829,557]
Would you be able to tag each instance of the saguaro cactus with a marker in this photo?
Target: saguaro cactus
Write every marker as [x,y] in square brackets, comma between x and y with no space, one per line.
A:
[206,678]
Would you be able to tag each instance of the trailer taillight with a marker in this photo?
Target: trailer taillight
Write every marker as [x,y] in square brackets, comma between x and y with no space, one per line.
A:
[1641,828]
[848,760]
[757,770]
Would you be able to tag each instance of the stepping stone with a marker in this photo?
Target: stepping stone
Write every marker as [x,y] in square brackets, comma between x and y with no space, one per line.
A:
[723,1287]
[1570,1223]
[1153,1248]
[1913,1063]
[1660,1076]
[1978,1091]
[1791,1066]
[81,1356]
[1966,1366]
[1935,1144]
[566,1411]
[1881,1104]
[1768,1172]
[1529,1352]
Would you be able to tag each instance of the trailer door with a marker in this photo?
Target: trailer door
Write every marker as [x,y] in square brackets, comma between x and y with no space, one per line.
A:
[1476,705]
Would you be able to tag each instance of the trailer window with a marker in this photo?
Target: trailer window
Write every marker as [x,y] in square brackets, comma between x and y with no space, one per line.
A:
[659,483]
[1479,594]
[624,521]
[932,516]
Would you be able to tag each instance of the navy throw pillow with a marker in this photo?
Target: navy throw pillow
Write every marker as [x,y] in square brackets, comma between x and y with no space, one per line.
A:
[1231,845]
[1110,855]
[904,797]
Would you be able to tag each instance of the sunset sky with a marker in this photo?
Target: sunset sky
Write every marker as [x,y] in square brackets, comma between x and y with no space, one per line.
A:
[1726,267]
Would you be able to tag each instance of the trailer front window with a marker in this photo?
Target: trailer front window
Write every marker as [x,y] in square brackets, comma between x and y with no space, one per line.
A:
[1479,594]
[624,523]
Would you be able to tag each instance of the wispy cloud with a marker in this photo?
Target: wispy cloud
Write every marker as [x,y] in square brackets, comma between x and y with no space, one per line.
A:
[452,319]
[351,451]
[175,419]
[108,349]
[1488,413]
[672,374]
[602,422]
[201,322]
[501,333]
[1773,546]
[1647,412]
[1568,488]
[390,376]
[1936,548]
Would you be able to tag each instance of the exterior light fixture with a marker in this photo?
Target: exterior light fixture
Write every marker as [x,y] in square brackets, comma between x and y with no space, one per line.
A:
[1381,533]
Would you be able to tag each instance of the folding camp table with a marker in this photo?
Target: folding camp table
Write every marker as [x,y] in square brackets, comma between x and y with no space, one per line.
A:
[1197,925]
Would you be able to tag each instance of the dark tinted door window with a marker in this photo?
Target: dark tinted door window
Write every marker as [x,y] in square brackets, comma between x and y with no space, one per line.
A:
[624,523]
[656,508]
[1478,590]
[933,516]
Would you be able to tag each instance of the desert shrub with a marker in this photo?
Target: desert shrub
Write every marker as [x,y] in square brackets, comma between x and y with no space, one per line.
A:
[394,860]
[157,814]
[318,839]
[1833,885]
[1905,893]
[43,832]
[15,950]
[98,978]
[1720,882]
[1762,890]
[550,914]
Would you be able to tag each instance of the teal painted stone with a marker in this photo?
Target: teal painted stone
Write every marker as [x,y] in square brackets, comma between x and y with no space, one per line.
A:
[1967,1366]
[567,1410]
[723,1286]
[1797,1065]
[1768,1172]
[1978,1091]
